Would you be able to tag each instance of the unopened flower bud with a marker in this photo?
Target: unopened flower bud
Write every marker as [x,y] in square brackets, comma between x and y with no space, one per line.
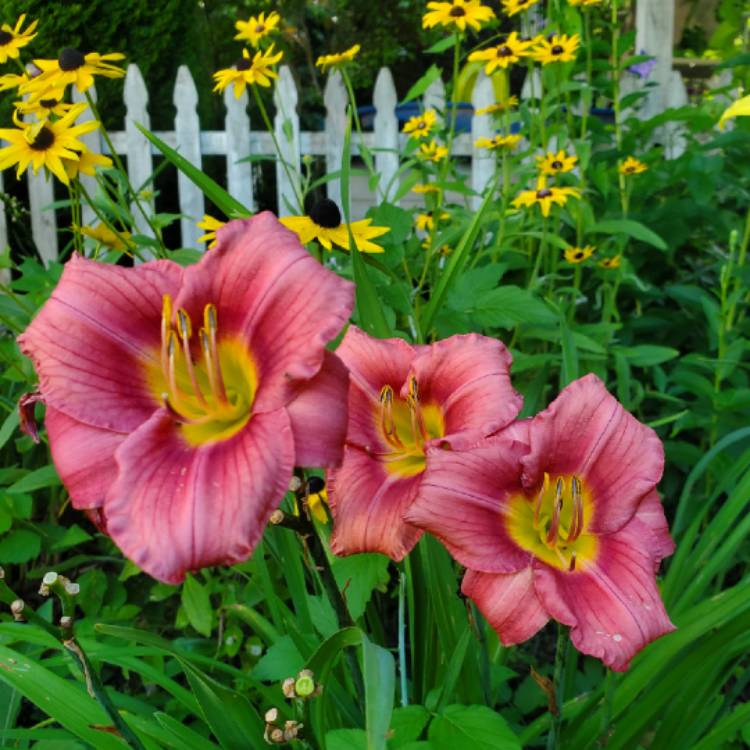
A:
[72,588]
[287,687]
[305,684]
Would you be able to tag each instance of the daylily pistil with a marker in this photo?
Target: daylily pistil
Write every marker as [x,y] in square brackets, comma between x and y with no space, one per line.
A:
[212,397]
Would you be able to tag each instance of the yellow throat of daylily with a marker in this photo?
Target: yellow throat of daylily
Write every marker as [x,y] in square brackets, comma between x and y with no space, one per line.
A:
[406,424]
[554,526]
[208,383]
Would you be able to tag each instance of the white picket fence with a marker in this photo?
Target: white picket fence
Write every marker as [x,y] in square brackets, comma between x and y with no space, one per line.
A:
[238,140]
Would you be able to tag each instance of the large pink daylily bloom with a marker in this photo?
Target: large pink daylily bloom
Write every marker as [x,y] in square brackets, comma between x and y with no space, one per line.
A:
[558,517]
[179,400]
[402,400]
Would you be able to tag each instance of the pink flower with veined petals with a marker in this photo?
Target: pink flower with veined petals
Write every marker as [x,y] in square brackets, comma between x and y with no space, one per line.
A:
[179,400]
[403,399]
[558,516]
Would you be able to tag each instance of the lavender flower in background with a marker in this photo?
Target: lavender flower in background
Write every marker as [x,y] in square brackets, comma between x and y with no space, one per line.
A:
[643,69]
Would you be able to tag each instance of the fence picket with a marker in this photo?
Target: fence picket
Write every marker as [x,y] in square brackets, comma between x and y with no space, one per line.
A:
[237,127]
[483,163]
[43,220]
[187,130]
[93,143]
[434,96]
[286,127]
[140,163]
[385,128]
[336,101]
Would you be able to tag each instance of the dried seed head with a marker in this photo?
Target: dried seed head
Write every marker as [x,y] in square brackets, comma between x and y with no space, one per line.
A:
[287,687]
[277,517]
[271,715]
[50,579]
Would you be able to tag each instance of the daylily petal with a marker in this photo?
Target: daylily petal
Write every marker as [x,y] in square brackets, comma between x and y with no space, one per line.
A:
[92,338]
[508,602]
[176,508]
[84,457]
[613,605]
[271,291]
[585,431]
[651,514]
[469,377]
[460,501]
[318,415]
[368,505]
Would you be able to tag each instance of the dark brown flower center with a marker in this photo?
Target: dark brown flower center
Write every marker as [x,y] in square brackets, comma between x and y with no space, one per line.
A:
[504,51]
[315,485]
[48,103]
[260,28]
[44,140]
[243,64]
[5,38]
[421,125]
[543,193]
[71,59]
[578,255]
[457,12]
[325,213]
[556,164]
[557,50]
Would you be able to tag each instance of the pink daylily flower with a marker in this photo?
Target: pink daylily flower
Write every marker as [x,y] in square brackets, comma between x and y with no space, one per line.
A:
[558,517]
[179,400]
[402,400]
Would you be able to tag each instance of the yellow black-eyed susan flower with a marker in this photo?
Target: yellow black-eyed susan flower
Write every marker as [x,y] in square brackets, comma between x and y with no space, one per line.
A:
[46,144]
[498,142]
[258,71]
[420,126]
[552,164]
[103,235]
[432,151]
[424,188]
[498,107]
[740,108]
[43,108]
[631,165]
[72,67]
[210,225]
[425,222]
[613,262]
[340,58]
[12,38]
[457,14]
[13,81]
[511,7]
[556,48]
[545,196]
[257,27]
[503,55]
[86,163]
[323,223]
[579,254]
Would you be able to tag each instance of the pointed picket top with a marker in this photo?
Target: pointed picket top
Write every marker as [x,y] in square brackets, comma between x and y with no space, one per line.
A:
[336,102]
[138,148]
[385,128]
[43,219]
[187,130]
[484,160]
[237,128]
[434,96]
[286,127]
[93,143]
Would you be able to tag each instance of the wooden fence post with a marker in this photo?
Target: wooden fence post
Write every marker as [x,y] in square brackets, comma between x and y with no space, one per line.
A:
[286,127]
[237,128]
[138,147]
[385,129]
[187,129]
[483,160]
[336,101]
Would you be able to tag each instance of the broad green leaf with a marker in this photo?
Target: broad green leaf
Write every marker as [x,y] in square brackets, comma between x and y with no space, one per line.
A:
[9,427]
[380,683]
[432,74]
[233,720]
[358,576]
[65,701]
[471,728]
[19,546]
[647,355]
[346,739]
[569,369]
[44,477]
[407,724]
[197,604]
[631,228]
[507,306]
[282,660]
[230,206]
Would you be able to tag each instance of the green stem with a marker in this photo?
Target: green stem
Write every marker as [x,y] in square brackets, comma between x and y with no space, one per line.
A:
[587,90]
[402,638]
[558,684]
[609,696]
[364,152]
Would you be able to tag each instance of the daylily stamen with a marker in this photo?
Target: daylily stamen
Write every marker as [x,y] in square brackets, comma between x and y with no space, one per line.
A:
[576,526]
[558,505]
[419,432]
[386,416]
[185,328]
[211,324]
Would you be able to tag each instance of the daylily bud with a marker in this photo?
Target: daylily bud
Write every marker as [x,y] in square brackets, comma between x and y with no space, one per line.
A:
[17,608]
